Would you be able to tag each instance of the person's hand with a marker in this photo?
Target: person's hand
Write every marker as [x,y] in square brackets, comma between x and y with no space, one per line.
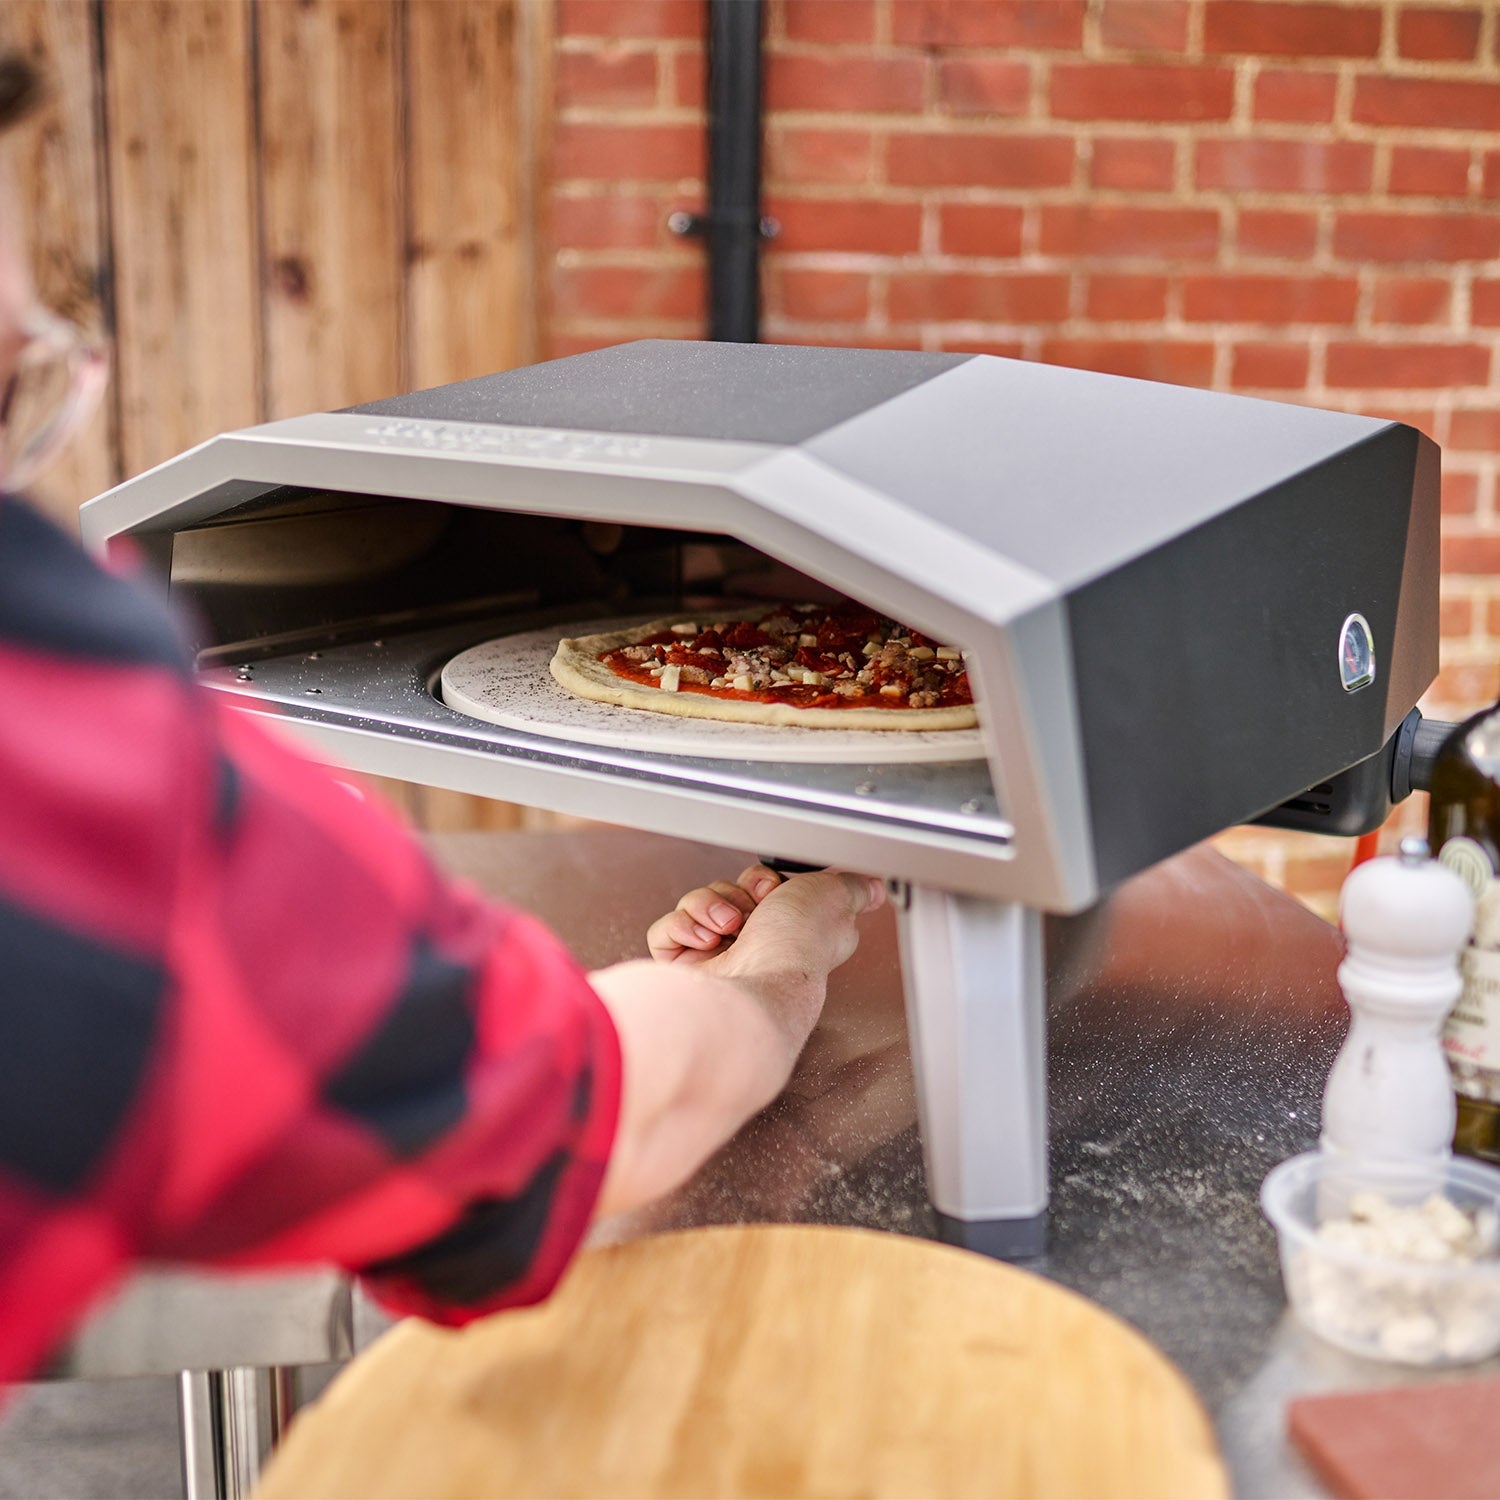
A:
[788,936]
[696,929]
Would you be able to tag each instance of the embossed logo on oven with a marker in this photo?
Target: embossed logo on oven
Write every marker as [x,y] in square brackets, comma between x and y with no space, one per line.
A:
[518,442]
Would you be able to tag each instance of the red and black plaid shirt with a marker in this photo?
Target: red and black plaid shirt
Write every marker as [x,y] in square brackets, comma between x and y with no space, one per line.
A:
[242,1019]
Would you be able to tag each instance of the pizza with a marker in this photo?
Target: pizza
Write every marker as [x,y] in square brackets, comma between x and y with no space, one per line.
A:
[812,665]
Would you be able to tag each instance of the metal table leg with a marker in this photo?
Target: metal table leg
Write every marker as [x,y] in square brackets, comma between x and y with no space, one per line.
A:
[230,1420]
[975,1012]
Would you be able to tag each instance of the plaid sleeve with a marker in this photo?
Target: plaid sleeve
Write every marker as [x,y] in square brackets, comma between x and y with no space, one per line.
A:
[245,1021]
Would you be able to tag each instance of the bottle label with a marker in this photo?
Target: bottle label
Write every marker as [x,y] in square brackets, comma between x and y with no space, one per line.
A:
[1470,863]
[1471,1034]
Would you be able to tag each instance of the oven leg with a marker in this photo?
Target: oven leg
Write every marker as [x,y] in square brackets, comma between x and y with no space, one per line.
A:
[974,978]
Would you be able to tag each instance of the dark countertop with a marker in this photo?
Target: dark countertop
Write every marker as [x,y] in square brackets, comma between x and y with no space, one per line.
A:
[1167,1110]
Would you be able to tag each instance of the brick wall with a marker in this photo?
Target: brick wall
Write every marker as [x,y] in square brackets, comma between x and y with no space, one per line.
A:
[1298,199]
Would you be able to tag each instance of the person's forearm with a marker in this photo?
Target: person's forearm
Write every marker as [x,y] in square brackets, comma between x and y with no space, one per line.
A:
[700,1055]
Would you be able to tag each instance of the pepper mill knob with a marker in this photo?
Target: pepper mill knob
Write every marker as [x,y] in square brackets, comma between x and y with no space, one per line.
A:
[1389,1098]
[1406,917]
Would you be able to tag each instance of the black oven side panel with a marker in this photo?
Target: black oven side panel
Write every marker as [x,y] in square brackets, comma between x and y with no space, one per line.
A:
[1208,670]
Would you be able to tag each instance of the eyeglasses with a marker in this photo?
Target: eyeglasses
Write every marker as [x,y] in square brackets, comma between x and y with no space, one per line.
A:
[57,382]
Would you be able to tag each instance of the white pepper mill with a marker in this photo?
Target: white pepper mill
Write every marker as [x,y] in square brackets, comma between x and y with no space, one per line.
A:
[1389,1099]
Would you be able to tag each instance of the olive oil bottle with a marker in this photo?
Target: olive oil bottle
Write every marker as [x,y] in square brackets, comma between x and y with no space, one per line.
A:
[1464,832]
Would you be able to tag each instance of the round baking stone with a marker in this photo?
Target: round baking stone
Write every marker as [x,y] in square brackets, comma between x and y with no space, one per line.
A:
[506,682]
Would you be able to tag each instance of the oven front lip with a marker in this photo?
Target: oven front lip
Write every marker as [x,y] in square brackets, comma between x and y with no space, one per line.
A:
[370,705]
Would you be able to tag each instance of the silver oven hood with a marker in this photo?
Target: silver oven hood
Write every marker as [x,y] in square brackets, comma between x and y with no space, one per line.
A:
[1180,609]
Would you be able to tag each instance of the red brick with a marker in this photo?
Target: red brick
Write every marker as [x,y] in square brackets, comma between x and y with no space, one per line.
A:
[795,154]
[1471,684]
[981,228]
[1471,554]
[970,297]
[1491,188]
[1004,348]
[830,20]
[1295,96]
[817,296]
[1430,171]
[674,291]
[1133,162]
[689,84]
[1459,492]
[1367,366]
[1492,618]
[850,85]
[1291,28]
[1226,298]
[1417,237]
[1427,103]
[989,23]
[847,224]
[1423,419]
[1126,299]
[1412,299]
[1269,367]
[984,86]
[1145,359]
[1286,166]
[632,19]
[1438,35]
[610,150]
[1279,233]
[612,78]
[1456,616]
[1106,229]
[1130,91]
[840,339]
[1476,431]
[1145,25]
[922,158]
[608,221]
[1484,304]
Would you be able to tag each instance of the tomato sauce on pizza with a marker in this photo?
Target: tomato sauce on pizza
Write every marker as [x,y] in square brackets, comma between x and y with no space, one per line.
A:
[806,656]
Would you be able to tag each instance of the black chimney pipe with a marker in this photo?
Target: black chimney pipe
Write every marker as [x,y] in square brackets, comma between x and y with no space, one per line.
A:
[732,224]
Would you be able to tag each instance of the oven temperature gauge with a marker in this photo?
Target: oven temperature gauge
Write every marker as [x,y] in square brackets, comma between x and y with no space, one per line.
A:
[1356,654]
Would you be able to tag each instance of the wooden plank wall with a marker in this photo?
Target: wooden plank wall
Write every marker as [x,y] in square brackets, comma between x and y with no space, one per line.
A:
[279,206]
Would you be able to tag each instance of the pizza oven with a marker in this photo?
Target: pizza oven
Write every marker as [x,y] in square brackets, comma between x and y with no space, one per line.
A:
[1180,610]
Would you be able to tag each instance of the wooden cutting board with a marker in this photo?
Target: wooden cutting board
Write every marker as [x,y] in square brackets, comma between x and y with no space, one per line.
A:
[768,1360]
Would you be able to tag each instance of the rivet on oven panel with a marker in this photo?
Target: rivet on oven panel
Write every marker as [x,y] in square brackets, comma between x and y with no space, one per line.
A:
[968,807]
[864,789]
[244,674]
[315,690]
[314,656]
[377,644]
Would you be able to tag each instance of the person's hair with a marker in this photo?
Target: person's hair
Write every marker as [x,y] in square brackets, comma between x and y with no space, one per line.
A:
[21,88]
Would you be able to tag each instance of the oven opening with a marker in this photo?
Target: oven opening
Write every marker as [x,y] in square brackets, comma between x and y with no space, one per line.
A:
[312,568]
[351,608]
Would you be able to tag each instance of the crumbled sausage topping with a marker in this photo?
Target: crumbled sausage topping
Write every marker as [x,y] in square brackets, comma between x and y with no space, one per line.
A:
[804,654]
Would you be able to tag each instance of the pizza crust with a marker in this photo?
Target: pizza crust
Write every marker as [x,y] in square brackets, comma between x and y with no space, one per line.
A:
[576,667]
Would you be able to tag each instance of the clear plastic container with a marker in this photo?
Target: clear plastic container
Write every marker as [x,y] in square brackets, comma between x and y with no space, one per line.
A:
[1387,1307]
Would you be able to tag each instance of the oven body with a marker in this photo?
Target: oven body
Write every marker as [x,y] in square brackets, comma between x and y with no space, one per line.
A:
[1153,587]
